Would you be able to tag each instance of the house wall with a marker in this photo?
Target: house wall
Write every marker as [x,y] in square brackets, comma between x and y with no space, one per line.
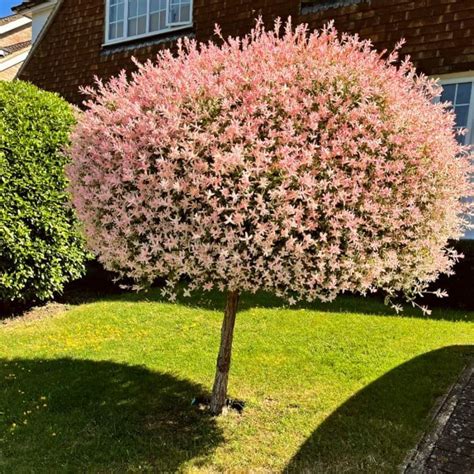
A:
[16,36]
[439,34]
[9,74]
[40,18]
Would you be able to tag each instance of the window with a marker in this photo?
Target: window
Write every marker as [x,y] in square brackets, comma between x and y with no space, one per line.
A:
[116,26]
[129,19]
[460,93]
[180,12]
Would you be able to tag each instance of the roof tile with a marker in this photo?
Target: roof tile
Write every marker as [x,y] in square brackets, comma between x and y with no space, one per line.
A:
[8,19]
[13,48]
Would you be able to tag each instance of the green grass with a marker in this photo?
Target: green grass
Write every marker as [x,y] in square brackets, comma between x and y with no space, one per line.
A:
[107,386]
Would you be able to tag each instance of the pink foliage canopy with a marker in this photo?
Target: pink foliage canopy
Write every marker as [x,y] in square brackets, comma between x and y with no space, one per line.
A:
[302,163]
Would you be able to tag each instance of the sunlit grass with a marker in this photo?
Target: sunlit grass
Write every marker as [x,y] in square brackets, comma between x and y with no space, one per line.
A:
[107,386]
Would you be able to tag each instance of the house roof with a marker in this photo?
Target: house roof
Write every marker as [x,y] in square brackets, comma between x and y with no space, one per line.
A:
[8,19]
[43,31]
[14,48]
[13,22]
[27,4]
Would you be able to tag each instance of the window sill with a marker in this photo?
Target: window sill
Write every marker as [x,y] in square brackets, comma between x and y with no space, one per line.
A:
[309,6]
[148,39]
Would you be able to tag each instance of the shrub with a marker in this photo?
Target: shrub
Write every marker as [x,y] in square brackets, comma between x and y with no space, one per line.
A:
[40,247]
[301,164]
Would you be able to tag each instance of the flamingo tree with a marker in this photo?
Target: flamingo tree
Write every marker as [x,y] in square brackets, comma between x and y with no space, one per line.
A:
[302,163]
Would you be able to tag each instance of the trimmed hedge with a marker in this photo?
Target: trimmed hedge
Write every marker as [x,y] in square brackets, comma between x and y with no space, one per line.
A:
[41,248]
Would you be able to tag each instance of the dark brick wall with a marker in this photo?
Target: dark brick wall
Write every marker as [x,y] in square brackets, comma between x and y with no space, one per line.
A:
[439,34]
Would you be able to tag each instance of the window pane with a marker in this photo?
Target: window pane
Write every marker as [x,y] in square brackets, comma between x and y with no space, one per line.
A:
[116,13]
[132,8]
[142,7]
[180,11]
[163,20]
[132,27]
[186,12]
[113,31]
[157,5]
[137,17]
[464,93]
[462,111]
[141,28]
[158,21]
[174,13]
[461,139]
[157,15]
[154,22]
[449,93]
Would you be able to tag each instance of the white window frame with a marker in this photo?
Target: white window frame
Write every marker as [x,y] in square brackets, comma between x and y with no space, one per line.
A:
[179,23]
[460,79]
[171,27]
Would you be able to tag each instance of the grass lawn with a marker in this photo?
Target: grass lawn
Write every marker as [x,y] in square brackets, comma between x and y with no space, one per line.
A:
[107,386]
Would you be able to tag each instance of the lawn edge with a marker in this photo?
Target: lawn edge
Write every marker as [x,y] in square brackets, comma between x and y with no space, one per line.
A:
[416,459]
[35,314]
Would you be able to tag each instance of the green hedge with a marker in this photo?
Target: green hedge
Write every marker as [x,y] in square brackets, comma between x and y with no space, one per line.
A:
[40,246]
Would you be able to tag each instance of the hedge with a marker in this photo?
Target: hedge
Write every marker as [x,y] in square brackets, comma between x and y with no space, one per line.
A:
[41,247]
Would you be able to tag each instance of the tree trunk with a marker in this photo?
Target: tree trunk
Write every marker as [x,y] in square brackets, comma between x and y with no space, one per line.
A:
[219,391]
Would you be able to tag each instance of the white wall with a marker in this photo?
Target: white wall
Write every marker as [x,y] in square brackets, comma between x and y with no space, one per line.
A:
[39,16]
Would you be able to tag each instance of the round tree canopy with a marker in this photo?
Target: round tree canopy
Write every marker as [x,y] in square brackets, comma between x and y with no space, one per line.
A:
[302,163]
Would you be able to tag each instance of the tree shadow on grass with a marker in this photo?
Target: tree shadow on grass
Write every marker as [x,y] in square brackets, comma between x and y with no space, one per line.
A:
[215,301]
[370,305]
[69,415]
[98,285]
[382,422]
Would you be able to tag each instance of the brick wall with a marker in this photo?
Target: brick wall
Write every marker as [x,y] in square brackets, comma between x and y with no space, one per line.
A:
[439,34]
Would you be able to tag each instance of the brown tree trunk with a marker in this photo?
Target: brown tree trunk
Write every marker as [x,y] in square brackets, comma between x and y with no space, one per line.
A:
[219,391]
